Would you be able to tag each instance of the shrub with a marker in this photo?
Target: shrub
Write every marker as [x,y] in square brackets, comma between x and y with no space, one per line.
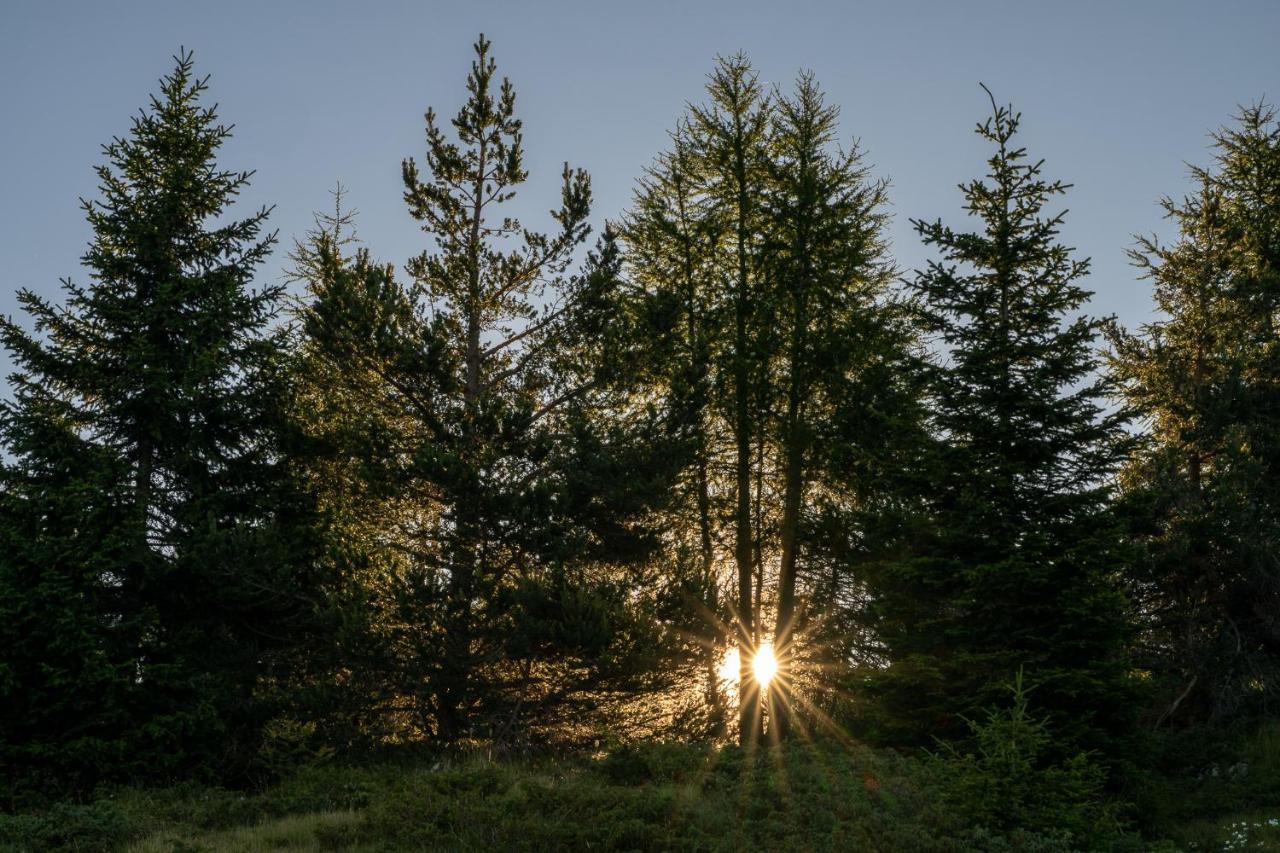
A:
[98,826]
[1006,782]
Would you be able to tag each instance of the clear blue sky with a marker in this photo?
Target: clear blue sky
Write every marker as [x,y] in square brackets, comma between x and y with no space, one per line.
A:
[1117,96]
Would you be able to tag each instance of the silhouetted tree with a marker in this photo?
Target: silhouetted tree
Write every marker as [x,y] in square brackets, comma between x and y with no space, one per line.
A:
[1017,565]
[148,482]
[1202,491]
[508,468]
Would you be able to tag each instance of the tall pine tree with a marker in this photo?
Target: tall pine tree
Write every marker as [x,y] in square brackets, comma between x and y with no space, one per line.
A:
[838,339]
[763,243]
[146,417]
[1015,568]
[505,469]
[1202,491]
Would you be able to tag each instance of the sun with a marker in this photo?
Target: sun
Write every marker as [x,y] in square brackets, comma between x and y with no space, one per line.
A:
[764,664]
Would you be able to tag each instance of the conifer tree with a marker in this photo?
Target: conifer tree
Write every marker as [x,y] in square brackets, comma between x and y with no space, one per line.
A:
[507,469]
[730,138]
[1016,567]
[1202,491]
[694,244]
[835,321]
[672,240]
[149,403]
[764,243]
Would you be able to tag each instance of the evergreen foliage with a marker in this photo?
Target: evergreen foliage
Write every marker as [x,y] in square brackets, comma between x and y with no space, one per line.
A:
[763,243]
[1016,566]
[157,535]
[1201,492]
[506,470]
[532,495]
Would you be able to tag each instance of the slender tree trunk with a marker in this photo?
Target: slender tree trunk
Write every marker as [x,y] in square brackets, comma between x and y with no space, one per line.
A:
[789,541]
[142,486]
[703,499]
[795,439]
[748,689]
[456,665]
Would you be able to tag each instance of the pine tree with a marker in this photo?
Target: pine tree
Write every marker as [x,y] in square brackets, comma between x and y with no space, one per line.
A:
[825,261]
[1015,568]
[506,468]
[672,240]
[729,136]
[763,244]
[150,402]
[1202,491]
[694,241]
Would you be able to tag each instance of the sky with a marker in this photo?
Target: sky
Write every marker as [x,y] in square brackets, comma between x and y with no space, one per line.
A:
[1117,97]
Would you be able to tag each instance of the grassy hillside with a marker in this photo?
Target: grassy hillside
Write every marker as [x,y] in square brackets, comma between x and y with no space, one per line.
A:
[676,797]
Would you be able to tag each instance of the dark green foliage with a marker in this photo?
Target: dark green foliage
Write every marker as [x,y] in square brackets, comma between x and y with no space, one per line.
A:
[1202,490]
[64,664]
[1011,782]
[478,427]
[154,537]
[1196,774]
[728,138]
[760,243]
[686,797]
[1015,564]
[845,408]
[496,520]
[98,827]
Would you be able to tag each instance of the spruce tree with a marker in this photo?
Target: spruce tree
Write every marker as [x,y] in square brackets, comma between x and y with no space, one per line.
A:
[1015,568]
[146,413]
[1202,491]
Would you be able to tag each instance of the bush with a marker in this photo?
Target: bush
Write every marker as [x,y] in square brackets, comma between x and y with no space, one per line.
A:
[1007,784]
[288,746]
[634,764]
[98,826]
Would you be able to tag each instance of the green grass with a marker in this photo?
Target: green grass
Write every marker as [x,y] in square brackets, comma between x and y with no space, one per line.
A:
[644,798]
[307,832]
[1254,830]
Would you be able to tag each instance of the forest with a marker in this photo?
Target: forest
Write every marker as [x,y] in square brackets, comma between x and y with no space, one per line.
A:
[708,527]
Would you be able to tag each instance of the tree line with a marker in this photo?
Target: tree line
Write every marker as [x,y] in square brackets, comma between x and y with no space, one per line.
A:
[531,488]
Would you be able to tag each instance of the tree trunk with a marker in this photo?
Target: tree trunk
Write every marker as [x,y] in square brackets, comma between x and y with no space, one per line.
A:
[748,690]
[793,491]
[456,665]
[789,541]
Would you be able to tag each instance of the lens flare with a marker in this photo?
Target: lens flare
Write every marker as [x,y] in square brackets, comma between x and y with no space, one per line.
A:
[729,665]
[764,664]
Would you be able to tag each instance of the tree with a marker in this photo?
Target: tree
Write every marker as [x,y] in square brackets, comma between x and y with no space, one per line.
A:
[729,136]
[508,468]
[66,654]
[672,240]
[763,244]
[1016,565]
[836,322]
[693,239]
[151,403]
[1201,492]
